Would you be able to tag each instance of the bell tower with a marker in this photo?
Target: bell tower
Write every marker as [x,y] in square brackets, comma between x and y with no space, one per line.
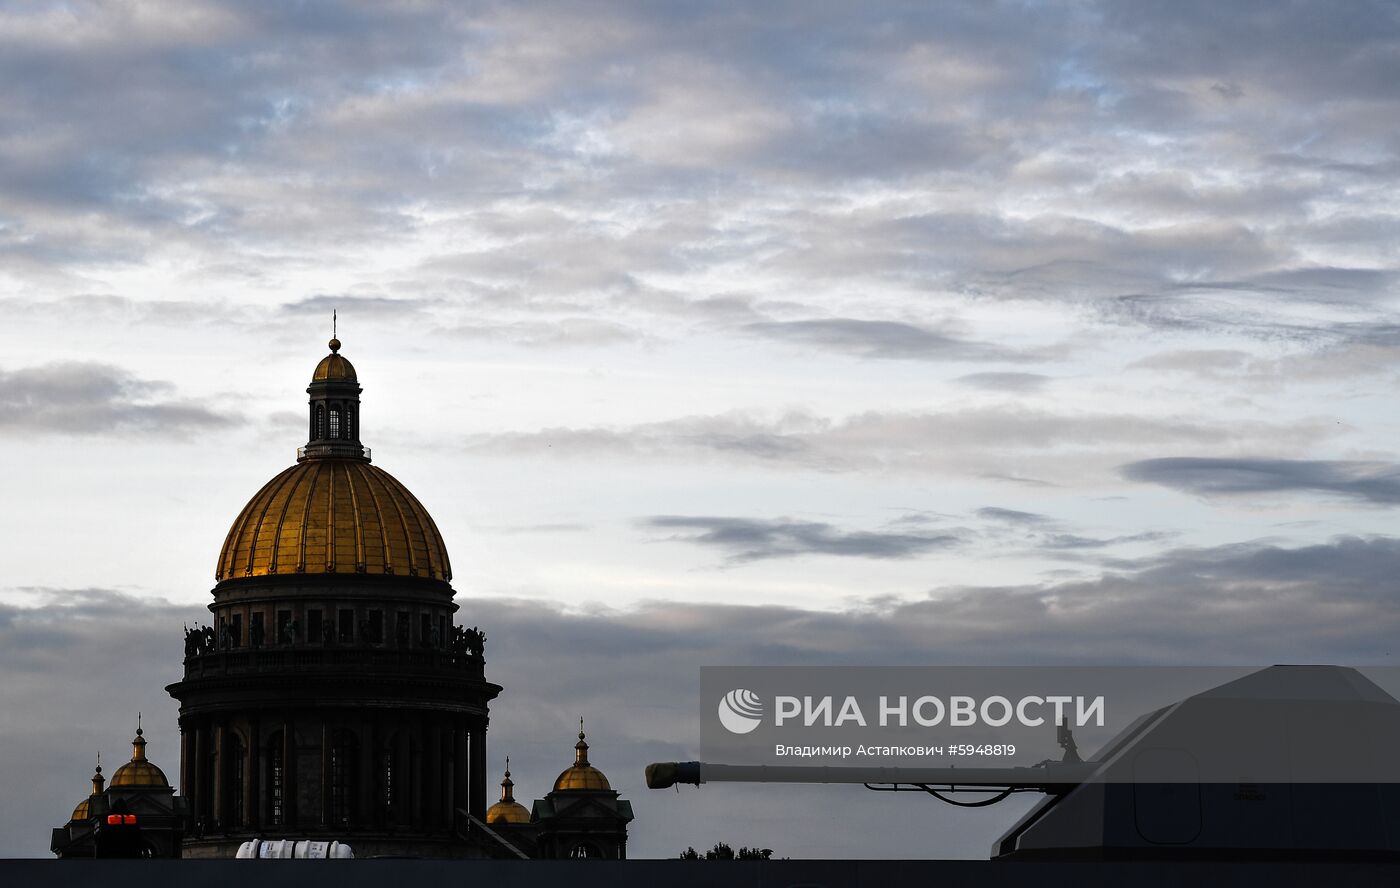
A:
[334,410]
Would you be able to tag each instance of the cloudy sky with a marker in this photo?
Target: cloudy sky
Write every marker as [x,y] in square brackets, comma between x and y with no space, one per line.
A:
[709,334]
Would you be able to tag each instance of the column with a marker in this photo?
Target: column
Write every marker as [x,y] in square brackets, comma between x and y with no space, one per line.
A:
[218,769]
[460,769]
[201,782]
[434,771]
[415,779]
[364,804]
[478,770]
[326,813]
[252,801]
[186,758]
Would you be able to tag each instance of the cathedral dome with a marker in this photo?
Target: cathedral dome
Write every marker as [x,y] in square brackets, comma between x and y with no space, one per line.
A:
[333,512]
[140,771]
[333,515]
[581,775]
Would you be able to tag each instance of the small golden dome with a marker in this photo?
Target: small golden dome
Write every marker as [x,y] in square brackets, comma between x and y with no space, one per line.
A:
[333,367]
[581,775]
[80,813]
[139,772]
[507,810]
[333,516]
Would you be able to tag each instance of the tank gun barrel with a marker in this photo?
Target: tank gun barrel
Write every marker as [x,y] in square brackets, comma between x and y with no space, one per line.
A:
[1052,777]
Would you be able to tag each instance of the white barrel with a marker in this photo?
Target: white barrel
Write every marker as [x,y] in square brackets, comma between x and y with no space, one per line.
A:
[289,849]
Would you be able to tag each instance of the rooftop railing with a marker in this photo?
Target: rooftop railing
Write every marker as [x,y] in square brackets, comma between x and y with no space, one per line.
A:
[333,449]
[238,661]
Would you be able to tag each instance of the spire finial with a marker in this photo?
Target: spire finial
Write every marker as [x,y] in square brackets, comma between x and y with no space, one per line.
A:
[138,743]
[581,747]
[507,766]
[335,341]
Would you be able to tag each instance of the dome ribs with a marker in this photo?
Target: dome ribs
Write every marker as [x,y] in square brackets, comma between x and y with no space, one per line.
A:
[330,517]
[333,515]
[272,488]
[281,522]
[435,548]
[359,520]
[393,491]
[388,553]
[301,527]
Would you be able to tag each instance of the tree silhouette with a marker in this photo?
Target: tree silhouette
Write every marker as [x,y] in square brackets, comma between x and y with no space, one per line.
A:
[722,851]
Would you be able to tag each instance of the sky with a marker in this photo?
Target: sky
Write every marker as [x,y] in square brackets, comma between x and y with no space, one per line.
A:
[709,334]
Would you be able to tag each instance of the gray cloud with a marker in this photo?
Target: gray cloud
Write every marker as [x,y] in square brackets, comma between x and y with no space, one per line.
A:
[976,441]
[78,666]
[882,339]
[1005,382]
[1368,482]
[565,332]
[1194,360]
[576,150]
[83,398]
[1044,532]
[749,539]
[1249,604]
[354,306]
[1011,516]
[1075,541]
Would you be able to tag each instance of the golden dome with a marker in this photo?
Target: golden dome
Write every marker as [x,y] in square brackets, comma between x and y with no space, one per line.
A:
[139,772]
[581,775]
[333,367]
[80,813]
[585,777]
[333,515]
[507,810]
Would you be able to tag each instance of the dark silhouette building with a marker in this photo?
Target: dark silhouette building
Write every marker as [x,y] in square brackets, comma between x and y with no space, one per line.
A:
[333,695]
[581,817]
[138,788]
